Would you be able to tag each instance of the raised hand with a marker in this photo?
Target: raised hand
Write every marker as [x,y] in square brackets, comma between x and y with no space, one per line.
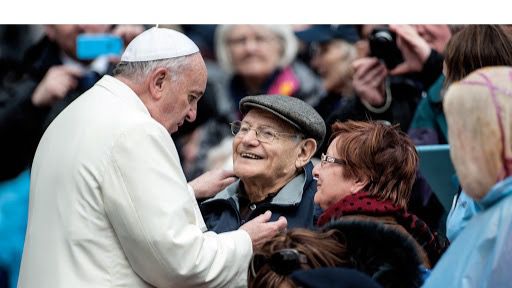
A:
[369,79]
[56,84]
[415,49]
[212,182]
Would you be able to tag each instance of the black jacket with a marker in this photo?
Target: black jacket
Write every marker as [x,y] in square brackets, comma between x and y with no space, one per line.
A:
[389,256]
[21,123]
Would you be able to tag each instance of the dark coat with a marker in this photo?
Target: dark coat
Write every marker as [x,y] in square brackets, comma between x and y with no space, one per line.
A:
[388,255]
[294,201]
[22,124]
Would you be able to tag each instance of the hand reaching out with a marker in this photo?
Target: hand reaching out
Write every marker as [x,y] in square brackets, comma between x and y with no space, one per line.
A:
[212,182]
[56,84]
[261,230]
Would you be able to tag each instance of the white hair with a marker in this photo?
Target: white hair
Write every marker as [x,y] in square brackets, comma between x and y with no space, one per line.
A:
[289,44]
[138,71]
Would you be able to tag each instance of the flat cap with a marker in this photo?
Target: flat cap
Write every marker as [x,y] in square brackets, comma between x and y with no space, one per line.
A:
[292,110]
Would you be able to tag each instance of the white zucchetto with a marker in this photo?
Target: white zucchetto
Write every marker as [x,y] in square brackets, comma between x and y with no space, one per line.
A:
[157,44]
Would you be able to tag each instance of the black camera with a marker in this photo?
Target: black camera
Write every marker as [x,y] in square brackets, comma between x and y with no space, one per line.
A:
[383,46]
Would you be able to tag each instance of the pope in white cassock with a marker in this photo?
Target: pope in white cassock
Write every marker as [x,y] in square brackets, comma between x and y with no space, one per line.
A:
[109,204]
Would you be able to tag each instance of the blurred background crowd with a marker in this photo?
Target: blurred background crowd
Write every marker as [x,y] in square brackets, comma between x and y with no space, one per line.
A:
[393,74]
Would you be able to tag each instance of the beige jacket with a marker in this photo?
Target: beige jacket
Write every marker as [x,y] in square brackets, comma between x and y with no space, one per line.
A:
[110,206]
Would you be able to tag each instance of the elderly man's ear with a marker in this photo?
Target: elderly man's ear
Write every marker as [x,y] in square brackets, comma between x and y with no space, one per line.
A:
[305,151]
[158,81]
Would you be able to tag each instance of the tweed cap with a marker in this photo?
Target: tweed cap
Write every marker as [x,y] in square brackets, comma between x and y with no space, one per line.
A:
[292,110]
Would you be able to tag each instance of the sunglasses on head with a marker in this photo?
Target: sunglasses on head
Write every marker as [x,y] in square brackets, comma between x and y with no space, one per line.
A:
[282,262]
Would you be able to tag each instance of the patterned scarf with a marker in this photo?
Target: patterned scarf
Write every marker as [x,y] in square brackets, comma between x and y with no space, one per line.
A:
[363,203]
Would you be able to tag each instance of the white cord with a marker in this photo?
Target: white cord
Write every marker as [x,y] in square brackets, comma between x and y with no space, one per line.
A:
[386,104]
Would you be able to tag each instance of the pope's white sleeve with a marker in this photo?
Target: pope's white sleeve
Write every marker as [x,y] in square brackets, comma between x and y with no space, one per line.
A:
[155,217]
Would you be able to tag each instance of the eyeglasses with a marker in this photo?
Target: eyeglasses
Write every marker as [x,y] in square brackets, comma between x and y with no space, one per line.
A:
[329,159]
[282,262]
[263,134]
[258,39]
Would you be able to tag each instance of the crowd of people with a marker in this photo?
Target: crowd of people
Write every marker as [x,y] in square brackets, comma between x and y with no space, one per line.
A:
[254,156]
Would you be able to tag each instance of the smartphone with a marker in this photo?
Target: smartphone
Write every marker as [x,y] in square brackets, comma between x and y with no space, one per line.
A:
[91,46]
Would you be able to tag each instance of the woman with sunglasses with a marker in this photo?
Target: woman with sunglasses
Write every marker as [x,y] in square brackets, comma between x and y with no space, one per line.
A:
[367,173]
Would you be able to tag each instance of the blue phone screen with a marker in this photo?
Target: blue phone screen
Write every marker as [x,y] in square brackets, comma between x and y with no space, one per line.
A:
[91,46]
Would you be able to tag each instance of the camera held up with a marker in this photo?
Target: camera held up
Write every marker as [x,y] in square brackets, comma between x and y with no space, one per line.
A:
[383,46]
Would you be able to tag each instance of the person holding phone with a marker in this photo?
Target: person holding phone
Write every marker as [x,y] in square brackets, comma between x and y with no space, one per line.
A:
[51,77]
[109,203]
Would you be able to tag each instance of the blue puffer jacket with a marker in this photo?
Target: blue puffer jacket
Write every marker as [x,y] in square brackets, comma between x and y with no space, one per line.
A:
[294,201]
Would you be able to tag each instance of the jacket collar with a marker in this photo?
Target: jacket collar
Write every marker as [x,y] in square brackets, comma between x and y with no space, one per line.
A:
[290,194]
[120,89]
[499,191]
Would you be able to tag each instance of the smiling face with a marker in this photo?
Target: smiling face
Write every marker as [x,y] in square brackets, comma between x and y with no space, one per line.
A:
[332,185]
[255,50]
[269,163]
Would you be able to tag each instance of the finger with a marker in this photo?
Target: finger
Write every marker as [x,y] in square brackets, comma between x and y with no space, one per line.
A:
[73,82]
[363,62]
[228,173]
[228,181]
[263,218]
[404,31]
[400,69]
[60,91]
[72,71]
[281,223]
[366,67]
[374,74]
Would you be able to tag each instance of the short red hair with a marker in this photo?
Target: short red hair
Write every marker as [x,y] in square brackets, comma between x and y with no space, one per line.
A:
[380,153]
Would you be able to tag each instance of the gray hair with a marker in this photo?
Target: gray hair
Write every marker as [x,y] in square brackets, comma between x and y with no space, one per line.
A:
[138,71]
[285,33]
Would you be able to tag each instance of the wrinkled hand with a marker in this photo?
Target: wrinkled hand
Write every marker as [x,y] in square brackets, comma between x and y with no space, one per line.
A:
[212,182]
[260,230]
[368,81]
[56,84]
[415,49]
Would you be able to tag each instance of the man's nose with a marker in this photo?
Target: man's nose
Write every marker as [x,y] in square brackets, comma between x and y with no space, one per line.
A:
[191,115]
[315,169]
[250,137]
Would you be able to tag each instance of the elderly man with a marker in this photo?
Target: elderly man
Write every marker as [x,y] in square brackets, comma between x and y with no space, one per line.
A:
[272,149]
[109,204]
